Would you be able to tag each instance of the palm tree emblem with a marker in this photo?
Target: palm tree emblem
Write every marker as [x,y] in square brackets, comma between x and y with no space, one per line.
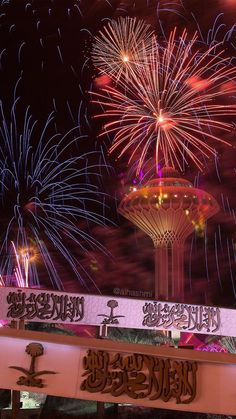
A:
[33,349]
[111,319]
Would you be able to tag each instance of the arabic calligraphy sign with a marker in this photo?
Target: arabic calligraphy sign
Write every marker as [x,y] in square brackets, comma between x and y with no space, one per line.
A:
[45,306]
[182,317]
[139,376]
[103,370]
[58,307]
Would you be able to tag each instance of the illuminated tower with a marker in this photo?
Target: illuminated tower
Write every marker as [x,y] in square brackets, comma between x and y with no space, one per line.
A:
[168,209]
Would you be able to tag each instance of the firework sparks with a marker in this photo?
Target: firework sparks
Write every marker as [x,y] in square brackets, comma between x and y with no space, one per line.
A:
[23,258]
[120,46]
[172,104]
[21,275]
[44,196]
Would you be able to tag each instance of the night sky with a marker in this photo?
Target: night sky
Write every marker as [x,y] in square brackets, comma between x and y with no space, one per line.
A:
[45,62]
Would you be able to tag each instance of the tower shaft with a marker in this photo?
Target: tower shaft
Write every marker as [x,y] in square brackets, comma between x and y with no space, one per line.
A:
[169,273]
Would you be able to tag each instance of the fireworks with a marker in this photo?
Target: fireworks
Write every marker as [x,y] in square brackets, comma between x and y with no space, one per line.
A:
[171,105]
[45,194]
[21,270]
[121,46]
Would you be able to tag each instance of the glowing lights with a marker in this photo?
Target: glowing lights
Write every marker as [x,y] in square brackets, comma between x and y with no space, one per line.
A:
[199,227]
[167,106]
[163,121]
[160,119]
[94,265]
[198,84]
[120,46]
[28,253]
[23,258]
[160,199]
[102,81]
[125,58]
[21,270]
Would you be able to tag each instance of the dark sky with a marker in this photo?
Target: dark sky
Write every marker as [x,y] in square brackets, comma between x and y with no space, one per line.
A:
[45,49]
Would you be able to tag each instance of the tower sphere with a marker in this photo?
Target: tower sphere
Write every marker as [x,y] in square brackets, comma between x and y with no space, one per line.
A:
[167,208]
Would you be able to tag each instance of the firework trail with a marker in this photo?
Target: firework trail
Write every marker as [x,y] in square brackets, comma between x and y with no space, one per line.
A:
[36,45]
[23,258]
[45,193]
[173,104]
[121,46]
[21,272]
